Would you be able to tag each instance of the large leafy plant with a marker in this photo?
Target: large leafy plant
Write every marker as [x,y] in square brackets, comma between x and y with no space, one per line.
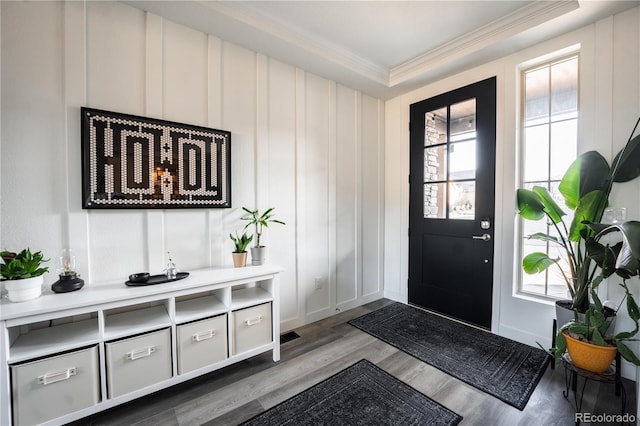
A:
[585,187]
[22,265]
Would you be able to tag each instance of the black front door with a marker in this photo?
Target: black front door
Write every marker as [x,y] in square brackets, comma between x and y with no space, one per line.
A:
[451,202]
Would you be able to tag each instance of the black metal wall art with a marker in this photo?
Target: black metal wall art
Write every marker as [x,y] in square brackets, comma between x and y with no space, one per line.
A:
[131,162]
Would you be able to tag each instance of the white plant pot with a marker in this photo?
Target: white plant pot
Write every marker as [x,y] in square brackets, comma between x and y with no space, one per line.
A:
[23,290]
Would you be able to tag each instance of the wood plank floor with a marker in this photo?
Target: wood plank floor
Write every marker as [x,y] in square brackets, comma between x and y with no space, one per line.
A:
[238,392]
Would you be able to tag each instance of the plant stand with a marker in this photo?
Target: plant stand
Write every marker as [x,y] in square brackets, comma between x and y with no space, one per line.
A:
[611,376]
[554,331]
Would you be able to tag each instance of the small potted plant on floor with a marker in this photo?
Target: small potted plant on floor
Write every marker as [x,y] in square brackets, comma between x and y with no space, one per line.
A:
[259,221]
[240,252]
[22,274]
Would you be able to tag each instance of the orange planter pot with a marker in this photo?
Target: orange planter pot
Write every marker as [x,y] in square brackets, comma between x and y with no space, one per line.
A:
[239,259]
[594,358]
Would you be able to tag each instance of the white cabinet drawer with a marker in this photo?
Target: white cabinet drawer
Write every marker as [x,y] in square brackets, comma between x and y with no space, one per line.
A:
[55,386]
[137,362]
[202,343]
[251,328]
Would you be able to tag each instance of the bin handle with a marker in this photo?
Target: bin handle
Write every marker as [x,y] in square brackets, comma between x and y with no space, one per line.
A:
[141,353]
[203,335]
[253,321]
[47,379]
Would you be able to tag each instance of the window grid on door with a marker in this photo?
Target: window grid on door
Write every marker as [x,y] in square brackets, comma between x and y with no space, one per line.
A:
[450,162]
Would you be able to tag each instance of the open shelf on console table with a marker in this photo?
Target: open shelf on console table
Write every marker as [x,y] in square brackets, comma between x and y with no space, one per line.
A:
[98,314]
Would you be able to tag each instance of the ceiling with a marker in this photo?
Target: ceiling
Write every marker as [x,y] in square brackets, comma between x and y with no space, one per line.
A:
[385,48]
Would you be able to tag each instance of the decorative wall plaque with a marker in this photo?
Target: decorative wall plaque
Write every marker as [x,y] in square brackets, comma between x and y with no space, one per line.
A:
[131,162]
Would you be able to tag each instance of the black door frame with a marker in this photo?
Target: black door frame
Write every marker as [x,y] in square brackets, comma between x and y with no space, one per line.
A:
[486,113]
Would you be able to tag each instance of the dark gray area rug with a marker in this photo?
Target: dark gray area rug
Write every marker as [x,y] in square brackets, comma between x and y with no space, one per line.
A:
[499,366]
[362,394]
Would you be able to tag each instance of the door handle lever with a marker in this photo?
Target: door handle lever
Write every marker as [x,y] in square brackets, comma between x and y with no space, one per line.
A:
[483,237]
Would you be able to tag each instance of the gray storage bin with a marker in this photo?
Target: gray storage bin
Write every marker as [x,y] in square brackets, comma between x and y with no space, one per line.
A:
[251,328]
[202,343]
[55,386]
[137,362]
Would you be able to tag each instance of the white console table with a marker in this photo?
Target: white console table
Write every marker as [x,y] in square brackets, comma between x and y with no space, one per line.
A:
[94,348]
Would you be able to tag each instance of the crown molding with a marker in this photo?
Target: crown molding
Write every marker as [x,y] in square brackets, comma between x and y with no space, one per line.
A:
[316,46]
[526,17]
[240,24]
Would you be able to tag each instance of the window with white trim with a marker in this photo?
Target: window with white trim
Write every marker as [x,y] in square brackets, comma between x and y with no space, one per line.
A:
[548,145]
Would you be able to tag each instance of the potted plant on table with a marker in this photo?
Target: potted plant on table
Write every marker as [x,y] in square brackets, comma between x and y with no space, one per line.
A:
[240,252]
[259,221]
[585,187]
[22,274]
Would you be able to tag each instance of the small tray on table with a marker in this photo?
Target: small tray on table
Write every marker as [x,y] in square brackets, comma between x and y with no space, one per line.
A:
[158,279]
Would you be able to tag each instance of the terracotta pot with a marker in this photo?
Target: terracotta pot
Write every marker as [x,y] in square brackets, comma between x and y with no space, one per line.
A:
[594,358]
[25,289]
[239,259]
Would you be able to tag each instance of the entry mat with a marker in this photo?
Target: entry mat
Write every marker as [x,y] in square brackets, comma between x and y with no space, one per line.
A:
[362,394]
[501,367]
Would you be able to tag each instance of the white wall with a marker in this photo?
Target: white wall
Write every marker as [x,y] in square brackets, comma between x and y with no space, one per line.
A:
[609,107]
[309,147]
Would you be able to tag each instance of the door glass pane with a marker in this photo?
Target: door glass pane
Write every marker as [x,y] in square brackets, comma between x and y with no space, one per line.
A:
[435,200]
[435,127]
[435,163]
[462,200]
[450,161]
[463,120]
[462,160]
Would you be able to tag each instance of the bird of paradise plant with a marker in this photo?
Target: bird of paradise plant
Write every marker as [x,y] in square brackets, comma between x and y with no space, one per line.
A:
[585,186]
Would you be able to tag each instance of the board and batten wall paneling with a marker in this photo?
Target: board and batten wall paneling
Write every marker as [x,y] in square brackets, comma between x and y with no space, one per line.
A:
[395,225]
[185,79]
[625,49]
[185,66]
[219,219]
[347,178]
[625,88]
[154,94]
[626,91]
[115,57]
[301,252]
[74,54]
[115,67]
[372,183]
[33,156]
[239,116]
[281,185]
[317,275]
[309,147]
